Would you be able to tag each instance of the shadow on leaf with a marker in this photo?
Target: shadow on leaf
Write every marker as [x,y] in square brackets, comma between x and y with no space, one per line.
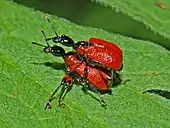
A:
[55,65]
[163,93]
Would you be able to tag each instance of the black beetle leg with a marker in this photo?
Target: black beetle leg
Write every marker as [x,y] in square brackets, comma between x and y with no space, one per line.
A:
[61,97]
[65,89]
[66,84]
[116,78]
[52,97]
[102,102]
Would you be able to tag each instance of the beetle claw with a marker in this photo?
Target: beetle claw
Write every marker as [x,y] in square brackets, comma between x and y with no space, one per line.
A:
[48,105]
[103,103]
[61,104]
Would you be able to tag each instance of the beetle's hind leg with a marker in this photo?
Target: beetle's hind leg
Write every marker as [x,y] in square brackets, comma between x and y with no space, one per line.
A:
[102,102]
[116,79]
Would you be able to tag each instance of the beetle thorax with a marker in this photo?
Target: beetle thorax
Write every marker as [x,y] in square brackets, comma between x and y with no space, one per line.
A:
[71,60]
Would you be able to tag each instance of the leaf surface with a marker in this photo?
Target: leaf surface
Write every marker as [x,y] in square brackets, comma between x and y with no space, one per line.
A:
[27,79]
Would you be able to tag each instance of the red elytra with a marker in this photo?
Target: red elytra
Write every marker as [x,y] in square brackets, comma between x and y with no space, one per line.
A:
[95,77]
[103,43]
[102,52]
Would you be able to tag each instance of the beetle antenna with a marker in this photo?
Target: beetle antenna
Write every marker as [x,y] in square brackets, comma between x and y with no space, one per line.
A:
[52,27]
[38,44]
[45,38]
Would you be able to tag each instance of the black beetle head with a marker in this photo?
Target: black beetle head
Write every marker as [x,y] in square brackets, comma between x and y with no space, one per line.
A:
[54,50]
[64,40]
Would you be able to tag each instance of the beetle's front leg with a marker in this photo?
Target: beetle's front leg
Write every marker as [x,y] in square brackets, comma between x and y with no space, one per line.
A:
[52,97]
[67,81]
[66,85]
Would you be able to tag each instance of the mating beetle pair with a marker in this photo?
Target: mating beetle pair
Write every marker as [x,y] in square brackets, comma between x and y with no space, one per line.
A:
[94,64]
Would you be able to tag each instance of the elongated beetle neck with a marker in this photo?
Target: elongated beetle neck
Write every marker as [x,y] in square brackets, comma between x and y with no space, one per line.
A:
[63,39]
[81,43]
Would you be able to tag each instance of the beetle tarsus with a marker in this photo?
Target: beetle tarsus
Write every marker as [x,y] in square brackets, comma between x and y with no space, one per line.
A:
[61,104]
[102,102]
[48,105]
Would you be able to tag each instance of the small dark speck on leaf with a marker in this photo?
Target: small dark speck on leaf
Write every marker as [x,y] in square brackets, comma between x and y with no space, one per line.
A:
[161,5]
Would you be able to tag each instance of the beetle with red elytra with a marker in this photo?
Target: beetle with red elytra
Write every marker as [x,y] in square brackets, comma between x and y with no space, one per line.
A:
[95,78]
[96,75]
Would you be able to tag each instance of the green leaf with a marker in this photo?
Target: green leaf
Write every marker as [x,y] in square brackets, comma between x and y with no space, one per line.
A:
[27,81]
[141,19]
